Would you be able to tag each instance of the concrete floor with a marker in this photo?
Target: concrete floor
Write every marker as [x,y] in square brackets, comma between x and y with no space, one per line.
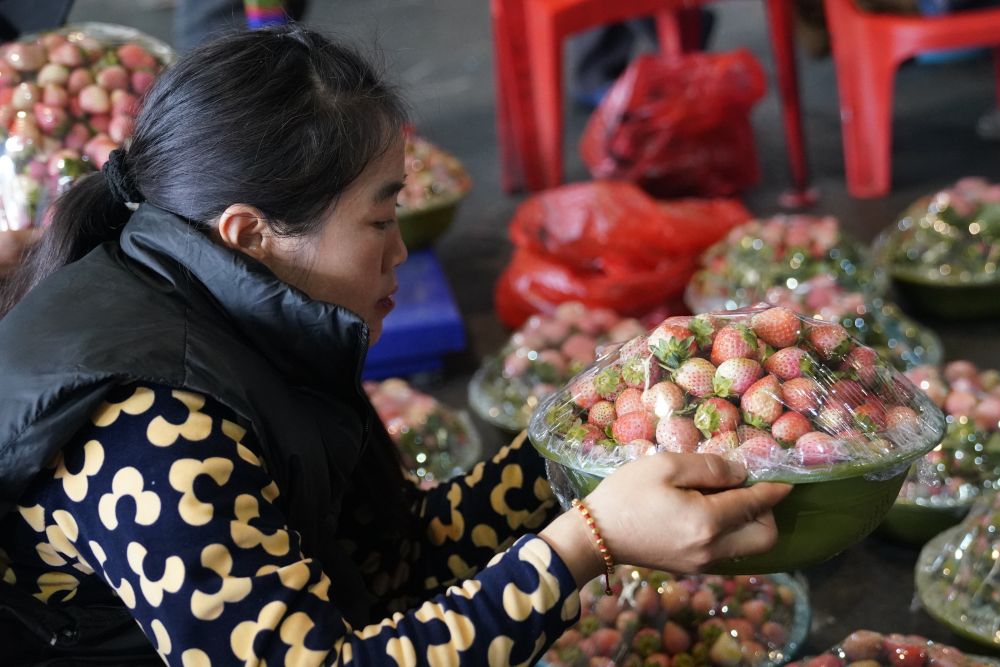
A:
[440,52]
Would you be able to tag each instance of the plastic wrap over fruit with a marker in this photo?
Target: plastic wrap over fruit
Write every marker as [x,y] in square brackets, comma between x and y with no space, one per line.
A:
[967,462]
[435,442]
[871,319]
[780,251]
[951,237]
[794,399]
[433,176]
[655,618]
[958,574]
[67,99]
[542,356]
[874,649]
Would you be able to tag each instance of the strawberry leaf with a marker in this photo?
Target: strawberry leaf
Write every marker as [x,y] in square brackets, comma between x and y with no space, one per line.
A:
[707,419]
[755,421]
[702,330]
[721,386]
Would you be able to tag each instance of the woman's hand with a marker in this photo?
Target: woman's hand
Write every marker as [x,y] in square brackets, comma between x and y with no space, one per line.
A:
[675,512]
[13,244]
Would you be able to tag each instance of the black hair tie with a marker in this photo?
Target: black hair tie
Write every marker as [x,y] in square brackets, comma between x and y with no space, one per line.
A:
[120,181]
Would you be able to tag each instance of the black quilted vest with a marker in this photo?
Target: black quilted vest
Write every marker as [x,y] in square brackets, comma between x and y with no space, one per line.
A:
[166,305]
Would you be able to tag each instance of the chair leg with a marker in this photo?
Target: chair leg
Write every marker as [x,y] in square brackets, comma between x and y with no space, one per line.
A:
[668,33]
[996,70]
[779,14]
[866,97]
[545,55]
[511,175]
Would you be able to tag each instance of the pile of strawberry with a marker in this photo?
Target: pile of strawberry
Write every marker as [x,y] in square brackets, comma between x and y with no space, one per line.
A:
[785,251]
[782,393]
[958,573]
[432,175]
[967,462]
[67,99]
[655,618]
[873,649]
[435,442]
[541,356]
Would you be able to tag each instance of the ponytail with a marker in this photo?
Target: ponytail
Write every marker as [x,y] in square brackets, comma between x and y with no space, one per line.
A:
[86,216]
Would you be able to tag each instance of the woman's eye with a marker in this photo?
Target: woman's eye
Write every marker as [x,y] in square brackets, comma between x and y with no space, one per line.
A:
[384,224]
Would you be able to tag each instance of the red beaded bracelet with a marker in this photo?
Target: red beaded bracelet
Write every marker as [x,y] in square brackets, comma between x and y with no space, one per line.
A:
[609,563]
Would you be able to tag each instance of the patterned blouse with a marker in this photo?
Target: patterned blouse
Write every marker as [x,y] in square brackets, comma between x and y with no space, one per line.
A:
[164,502]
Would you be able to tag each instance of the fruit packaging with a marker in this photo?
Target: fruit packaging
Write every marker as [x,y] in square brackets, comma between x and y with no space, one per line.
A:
[67,99]
[435,442]
[873,649]
[780,251]
[655,618]
[542,356]
[795,400]
[958,574]
[944,251]
[433,176]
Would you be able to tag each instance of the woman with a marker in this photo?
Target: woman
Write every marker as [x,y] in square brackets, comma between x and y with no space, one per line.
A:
[183,437]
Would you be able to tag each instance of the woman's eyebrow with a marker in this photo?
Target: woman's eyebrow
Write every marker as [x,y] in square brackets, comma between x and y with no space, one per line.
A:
[388,191]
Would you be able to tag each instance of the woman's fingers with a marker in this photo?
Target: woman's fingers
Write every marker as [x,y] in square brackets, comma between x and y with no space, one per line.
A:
[753,537]
[700,471]
[737,507]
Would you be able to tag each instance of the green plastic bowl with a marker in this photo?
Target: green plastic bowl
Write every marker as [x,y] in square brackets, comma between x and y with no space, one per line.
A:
[915,524]
[956,301]
[422,226]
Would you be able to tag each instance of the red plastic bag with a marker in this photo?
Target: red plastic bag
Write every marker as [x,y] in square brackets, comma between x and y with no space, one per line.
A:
[679,125]
[607,244]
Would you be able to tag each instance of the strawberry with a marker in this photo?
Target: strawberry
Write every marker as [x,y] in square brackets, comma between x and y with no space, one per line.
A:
[141,82]
[94,99]
[632,426]
[671,344]
[630,400]
[122,127]
[834,419]
[25,56]
[817,448]
[789,363]
[987,414]
[78,80]
[864,362]
[870,416]
[663,399]
[761,404]
[25,96]
[52,74]
[725,651]
[98,149]
[52,121]
[646,641]
[902,418]
[100,122]
[587,434]
[113,77]
[801,394]
[579,347]
[704,330]
[848,393]
[824,660]
[607,639]
[777,326]
[862,645]
[990,379]
[77,137]
[695,377]
[961,368]
[639,448]
[640,372]
[55,95]
[601,414]
[745,433]
[715,416]
[675,638]
[957,404]
[734,376]
[720,444]
[126,104]
[735,341]
[904,651]
[609,383]
[789,427]
[134,56]
[68,55]
[761,452]
[677,434]
[830,341]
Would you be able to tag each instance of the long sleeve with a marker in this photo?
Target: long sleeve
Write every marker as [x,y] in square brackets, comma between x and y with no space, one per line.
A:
[164,497]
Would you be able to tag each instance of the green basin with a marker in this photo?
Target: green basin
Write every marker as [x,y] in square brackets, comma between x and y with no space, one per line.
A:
[421,227]
[949,301]
[916,524]
[816,521]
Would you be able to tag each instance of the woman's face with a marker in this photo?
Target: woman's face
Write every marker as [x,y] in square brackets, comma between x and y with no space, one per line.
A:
[351,259]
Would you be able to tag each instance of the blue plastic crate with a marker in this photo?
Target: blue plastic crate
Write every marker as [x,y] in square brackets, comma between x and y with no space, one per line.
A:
[424,326]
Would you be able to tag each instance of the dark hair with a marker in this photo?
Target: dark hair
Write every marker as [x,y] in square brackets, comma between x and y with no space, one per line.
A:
[282,119]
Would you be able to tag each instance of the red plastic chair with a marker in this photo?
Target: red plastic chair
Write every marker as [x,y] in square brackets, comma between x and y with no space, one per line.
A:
[867,50]
[528,37]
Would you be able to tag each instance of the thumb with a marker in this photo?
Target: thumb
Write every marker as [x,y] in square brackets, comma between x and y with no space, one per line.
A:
[701,471]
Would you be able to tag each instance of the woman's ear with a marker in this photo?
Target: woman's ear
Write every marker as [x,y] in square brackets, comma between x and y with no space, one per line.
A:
[244,228]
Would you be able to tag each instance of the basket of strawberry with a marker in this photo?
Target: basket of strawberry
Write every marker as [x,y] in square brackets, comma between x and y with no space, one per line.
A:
[435,184]
[943,485]
[785,251]
[435,443]
[656,618]
[540,357]
[874,649]
[795,400]
[871,319]
[943,254]
[958,574]
[67,99]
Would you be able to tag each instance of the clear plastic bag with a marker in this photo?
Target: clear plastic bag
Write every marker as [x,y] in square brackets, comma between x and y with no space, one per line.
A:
[67,99]
[540,357]
[893,650]
[780,251]
[958,574]
[435,442]
[655,618]
[967,462]
[433,177]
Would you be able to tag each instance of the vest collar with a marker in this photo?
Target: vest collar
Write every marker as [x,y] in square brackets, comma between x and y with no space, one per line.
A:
[312,343]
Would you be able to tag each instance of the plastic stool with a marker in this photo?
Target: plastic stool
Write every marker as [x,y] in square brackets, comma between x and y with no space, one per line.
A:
[528,37]
[867,50]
